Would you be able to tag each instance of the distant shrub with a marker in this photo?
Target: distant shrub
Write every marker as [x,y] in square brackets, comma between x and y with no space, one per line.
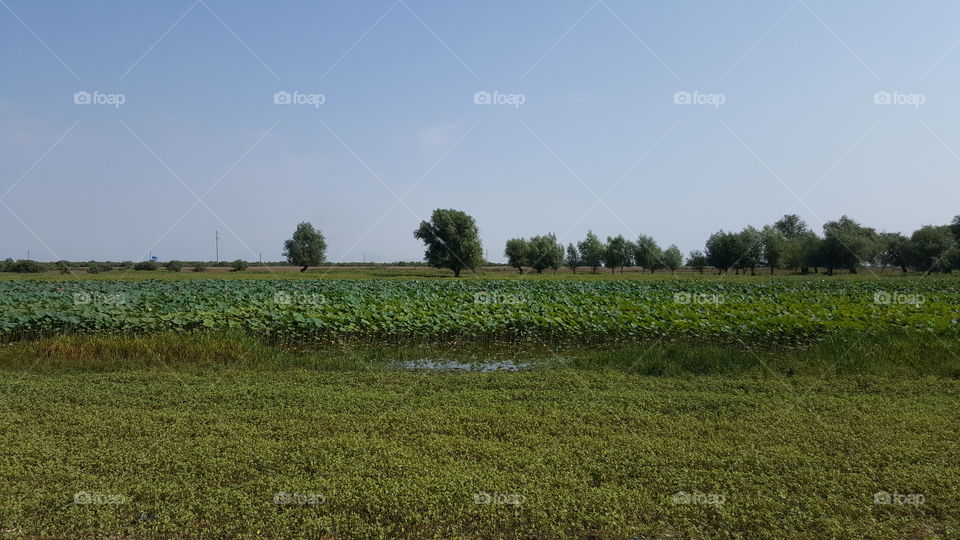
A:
[126,265]
[199,268]
[239,265]
[146,265]
[97,268]
[174,266]
[25,266]
[63,267]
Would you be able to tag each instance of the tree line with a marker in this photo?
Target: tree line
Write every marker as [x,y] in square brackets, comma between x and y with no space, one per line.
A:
[453,241]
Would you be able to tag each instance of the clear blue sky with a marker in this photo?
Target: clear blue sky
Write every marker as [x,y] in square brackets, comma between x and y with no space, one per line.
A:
[598,118]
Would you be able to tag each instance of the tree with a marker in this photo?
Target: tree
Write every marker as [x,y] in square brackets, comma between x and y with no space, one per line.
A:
[174,266]
[697,260]
[516,253]
[544,252]
[616,253]
[846,244]
[240,265]
[791,226]
[647,253]
[955,227]
[773,241]
[722,250]
[452,240]
[893,249]
[672,258]
[749,249]
[591,251]
[573,258]
[930,248]
[307,247]
[801,252]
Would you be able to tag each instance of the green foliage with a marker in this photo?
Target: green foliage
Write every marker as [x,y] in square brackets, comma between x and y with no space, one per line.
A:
[544,252]
[647,254]
[63,267]
[239,265]
[616,253]
[516,253]
[146,265]
[573,258]
[893,249]
[723,249]
[697,260]
[199,268]
[931,247]
[791,226]
[98,268]
[307,248]
[24,266]
[672,258]
[174,266]
[772,248]
[846,244]
[452,240]
[591,251]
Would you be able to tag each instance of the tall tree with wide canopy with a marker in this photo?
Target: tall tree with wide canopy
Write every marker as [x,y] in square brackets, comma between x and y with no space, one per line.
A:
[452,240]
[591,251]
[307,247]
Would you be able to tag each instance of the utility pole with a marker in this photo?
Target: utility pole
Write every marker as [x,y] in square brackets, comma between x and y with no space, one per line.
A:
[261,257]
[28,254]
[218,245]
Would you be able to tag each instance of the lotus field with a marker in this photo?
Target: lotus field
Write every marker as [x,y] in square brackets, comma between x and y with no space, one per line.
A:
[786,311]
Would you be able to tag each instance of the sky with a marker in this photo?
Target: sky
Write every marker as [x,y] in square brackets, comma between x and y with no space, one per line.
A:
[136,128]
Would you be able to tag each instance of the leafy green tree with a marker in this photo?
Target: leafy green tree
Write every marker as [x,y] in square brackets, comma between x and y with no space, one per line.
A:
[26,266]
[174,266]
[146,265]
[773,243]
[791,226]
[573,258]
[749,249]
[893,249]
[697,260]
[452,240]
[647,254]
[722,250]
[307,248]
[240,265]
[516,253]
[592,251]
[846,244]
[544,252]
[801,252]
[616,253]
[955,227]
[672,258]
[63,267]
[931,247]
